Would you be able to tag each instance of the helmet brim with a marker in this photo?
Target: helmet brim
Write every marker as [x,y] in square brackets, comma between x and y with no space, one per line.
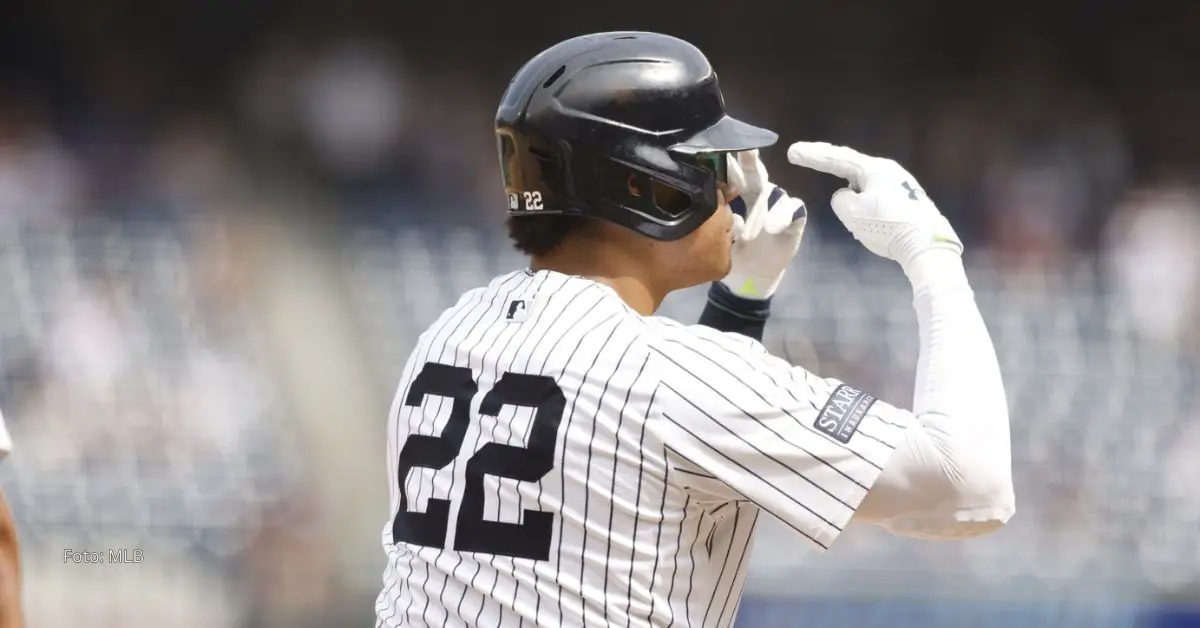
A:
[727,135]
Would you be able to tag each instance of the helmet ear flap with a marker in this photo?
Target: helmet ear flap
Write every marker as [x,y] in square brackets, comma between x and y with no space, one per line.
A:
[533,172]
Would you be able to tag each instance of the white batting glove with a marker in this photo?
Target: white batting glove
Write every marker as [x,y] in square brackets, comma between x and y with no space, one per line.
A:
[884,207]
[768,226]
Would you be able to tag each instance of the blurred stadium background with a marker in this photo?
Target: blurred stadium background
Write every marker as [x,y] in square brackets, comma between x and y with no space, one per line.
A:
[222,226]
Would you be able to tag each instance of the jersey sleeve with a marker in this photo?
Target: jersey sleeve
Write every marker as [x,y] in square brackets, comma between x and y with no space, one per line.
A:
[740,423]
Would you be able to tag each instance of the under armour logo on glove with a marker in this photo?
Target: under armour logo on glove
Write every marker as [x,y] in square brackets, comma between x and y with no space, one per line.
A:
[913,192]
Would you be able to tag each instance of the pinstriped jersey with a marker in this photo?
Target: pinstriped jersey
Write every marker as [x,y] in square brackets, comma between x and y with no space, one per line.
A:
[557,459]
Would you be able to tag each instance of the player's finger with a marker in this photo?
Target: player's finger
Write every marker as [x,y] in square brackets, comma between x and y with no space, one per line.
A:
[756,217]
[796,228]
[799,219]
[843,203]
[840,161]
[784,213]
[737,178]
[752,166]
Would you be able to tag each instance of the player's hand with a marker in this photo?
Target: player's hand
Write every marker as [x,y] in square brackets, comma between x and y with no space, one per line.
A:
[768,226]
[884,207]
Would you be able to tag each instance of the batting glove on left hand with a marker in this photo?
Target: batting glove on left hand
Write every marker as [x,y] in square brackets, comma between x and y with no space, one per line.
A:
[768,227]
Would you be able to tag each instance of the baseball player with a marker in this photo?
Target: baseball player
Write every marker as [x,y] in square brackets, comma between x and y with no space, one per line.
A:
[560,456]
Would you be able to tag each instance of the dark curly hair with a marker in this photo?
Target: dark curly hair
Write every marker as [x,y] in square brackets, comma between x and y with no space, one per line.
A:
[539,235]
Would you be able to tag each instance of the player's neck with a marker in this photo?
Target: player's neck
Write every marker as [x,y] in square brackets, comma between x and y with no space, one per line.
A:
[622,273]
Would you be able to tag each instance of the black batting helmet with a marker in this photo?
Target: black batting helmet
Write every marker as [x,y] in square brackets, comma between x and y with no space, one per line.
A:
[599,125]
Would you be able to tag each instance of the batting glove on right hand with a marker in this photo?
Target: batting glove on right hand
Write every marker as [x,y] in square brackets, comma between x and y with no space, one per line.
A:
[767,225]
[884,207]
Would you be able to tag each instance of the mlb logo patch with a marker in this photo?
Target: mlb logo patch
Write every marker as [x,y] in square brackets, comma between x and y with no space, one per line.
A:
[516,310]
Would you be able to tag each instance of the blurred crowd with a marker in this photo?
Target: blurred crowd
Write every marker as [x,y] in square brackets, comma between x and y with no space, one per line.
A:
[1026,160]
[124,315]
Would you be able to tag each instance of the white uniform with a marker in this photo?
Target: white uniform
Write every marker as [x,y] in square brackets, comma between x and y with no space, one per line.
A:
[557,459]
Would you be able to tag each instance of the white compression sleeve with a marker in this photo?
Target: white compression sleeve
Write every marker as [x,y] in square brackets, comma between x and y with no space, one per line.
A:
[952,477]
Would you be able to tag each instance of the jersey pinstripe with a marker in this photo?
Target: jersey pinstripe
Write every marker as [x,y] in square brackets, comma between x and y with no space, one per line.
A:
[557,459]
